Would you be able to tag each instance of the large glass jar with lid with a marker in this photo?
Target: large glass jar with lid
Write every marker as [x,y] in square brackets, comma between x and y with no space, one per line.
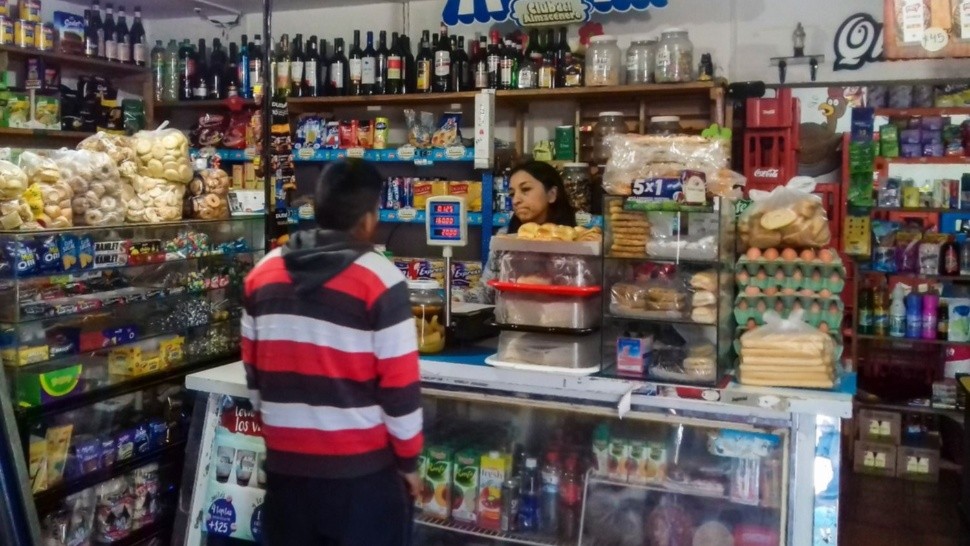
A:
[603,61]
[428,308]
[664,125]
[675,57]
[575,177]
[640,61]
[608,124]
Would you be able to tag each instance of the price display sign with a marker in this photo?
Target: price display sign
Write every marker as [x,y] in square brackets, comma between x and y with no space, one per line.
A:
[446,221]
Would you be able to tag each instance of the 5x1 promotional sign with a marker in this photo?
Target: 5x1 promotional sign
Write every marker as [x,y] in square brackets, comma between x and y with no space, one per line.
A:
[537,12]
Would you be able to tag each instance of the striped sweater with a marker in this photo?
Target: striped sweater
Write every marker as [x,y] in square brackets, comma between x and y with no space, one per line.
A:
[330,352]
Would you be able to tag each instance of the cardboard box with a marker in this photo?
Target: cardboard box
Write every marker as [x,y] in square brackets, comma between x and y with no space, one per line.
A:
[919,463]
[874,458]
[880,426]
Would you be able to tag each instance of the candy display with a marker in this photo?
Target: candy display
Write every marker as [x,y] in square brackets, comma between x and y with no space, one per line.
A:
[787,353]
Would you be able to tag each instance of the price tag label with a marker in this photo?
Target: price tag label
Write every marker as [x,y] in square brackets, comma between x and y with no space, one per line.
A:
[935,39]
[250,153]
[355,153]
[406,153]
[305,153]
[407,214]
[584,219]
[455,152]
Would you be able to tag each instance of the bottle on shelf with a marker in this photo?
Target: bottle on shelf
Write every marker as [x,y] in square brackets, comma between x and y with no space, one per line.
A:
[281,74]
[424,65]
[570,499]
[311,69]
[92,32]
[943,321]
[479,62]
[139,42]
[122,38]
[355,60]
[409,71]
[964,255]
[533,50]
[173,64]
[574,72]
[493,61]
[323,68]
[865,311]
[562,53]
[231,76]
[243,67]
[368,66]
[218,66]
[460,65]
[256,82]
[110,46]
[380,64]
[949,258]
[528,520]
[899,313]
[442,63]
[297,68]
[931,302]
[159,71]
[186,70]
[880,312]
[507,66]
[547,63]
[200,89]
[527,74]
[395,64]
[549,508]
[339,70]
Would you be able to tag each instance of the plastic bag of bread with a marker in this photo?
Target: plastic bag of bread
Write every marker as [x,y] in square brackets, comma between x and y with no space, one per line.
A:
[49,195]
[789,215]
[787,353]
[206,197]
[16,214]
[96,183]
[163,154]
[643,157]
[13,180]
[153,200]
[120,148]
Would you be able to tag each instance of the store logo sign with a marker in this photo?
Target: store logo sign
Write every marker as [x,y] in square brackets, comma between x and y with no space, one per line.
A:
[537,12]
[549,12]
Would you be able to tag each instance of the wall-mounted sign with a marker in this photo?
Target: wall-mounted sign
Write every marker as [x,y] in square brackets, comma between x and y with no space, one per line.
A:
[857,42]
[923,29]
[537,12]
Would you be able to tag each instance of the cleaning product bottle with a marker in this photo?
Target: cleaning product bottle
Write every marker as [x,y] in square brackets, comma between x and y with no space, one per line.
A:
[931,301]
[899,313]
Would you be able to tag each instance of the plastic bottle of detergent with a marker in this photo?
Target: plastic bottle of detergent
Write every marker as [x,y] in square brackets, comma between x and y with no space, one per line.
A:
[898,314]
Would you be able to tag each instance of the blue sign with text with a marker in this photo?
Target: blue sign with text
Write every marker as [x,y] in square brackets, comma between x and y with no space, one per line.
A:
[537,12]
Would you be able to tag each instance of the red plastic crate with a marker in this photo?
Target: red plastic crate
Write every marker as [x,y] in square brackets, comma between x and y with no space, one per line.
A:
[779,112]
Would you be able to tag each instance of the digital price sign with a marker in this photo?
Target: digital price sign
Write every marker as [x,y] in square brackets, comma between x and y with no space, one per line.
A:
[446,221]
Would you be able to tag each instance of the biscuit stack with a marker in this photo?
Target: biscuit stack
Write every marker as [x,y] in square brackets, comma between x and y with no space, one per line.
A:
[630,231]
[788,359]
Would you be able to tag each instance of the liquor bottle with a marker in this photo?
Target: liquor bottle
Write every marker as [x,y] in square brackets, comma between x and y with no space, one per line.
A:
[395,62]
[573,71]
[186,70]
[409,74]
[256,82]
[339,70]
[507,66]
[159,71]
[380,65]
[311,69]
[139,42]
[90,35]
[355,60]
[368,66]
[479,68]
[323,69]
[442,63]
[110,47]
[122,38]
[282,86]
[200,89]
[493,60]
[943,321]
[880,312]
[424,68]
[231,74]
[460,66]
[243,66]
[533,50]
[562,52]
[547,63]
[172,74]
[297,68]
[218,65]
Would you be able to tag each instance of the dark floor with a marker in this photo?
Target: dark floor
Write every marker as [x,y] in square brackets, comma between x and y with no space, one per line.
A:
[880,511]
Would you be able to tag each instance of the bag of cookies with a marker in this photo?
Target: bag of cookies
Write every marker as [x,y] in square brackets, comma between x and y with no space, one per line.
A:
[163,154]
[651,157]
[15,212]
[789,215]
[153,200]
[54,194]
[96,184]
[120,148]
[207,195]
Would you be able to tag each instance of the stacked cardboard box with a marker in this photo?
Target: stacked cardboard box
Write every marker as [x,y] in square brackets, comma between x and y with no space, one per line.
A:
[880,449]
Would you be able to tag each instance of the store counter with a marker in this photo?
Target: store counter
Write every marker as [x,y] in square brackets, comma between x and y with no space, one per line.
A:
[809,420]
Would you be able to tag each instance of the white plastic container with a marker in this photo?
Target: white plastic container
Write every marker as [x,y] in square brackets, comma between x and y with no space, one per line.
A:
[548,310]
[549,350]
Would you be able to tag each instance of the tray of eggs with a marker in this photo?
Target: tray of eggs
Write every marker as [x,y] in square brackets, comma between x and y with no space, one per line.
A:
[788,271]
[822,309]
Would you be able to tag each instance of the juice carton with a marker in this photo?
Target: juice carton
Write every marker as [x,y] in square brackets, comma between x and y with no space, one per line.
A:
[425,494]
[637,463]
[494,469]
[464,501]
[656,470]
[619,459]
[601,450]
[439,477]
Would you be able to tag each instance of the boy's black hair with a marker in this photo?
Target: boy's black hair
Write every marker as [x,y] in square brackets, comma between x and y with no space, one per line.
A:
[346,191]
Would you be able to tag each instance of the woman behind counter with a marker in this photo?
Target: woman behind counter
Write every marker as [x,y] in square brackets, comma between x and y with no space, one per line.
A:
[538,195]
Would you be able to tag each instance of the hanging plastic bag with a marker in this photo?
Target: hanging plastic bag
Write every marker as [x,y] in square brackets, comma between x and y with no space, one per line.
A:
[789,215]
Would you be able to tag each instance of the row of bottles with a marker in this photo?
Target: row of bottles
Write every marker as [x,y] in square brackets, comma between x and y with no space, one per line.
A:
[184,72]
[913,313]
[112,39]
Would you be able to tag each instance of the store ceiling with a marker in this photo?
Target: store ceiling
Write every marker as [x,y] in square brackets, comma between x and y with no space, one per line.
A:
[165,9]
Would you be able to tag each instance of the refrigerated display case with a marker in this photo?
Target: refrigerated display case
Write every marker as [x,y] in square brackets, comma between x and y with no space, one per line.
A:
[758,465]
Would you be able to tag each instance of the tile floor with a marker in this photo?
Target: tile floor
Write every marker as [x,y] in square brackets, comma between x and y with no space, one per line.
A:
[892,512]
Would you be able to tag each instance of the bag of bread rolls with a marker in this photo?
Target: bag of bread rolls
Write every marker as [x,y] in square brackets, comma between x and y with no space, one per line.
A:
[789,215]
[54,194]
[163,154]
[642,157]
[206,197]
[120,148]
[96,185]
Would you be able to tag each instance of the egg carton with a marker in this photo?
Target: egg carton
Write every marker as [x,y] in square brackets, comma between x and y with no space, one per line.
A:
[818,310]
[789,266]
[814,281]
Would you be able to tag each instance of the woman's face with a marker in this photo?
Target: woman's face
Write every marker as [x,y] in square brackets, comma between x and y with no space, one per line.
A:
[530,199]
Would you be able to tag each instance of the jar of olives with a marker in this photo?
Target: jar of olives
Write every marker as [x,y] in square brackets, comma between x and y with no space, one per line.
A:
[428,308]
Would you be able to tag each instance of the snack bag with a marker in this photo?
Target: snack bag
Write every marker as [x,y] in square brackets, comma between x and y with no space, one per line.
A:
[788,215]
[53,195]
[15,212]
[164,154]
[206,198]
[97,187]
[120,148]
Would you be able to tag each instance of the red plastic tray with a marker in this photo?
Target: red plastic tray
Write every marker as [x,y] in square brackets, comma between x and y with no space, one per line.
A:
[546,289]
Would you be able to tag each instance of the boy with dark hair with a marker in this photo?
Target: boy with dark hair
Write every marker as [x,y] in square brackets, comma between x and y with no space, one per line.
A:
[331,360]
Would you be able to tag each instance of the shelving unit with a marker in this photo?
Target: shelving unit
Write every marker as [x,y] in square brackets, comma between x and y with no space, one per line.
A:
[470,530]
[404,154]
[77,62]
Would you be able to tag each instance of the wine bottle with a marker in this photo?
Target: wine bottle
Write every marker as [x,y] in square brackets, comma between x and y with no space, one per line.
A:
[424,66]
[442,63]
[109,45]
[355,60]
[339,70]
[122,38]
[380,65]
[395,62]
[139,42]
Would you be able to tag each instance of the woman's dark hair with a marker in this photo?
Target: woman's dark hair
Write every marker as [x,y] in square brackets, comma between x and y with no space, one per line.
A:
[346,191]
[561,212]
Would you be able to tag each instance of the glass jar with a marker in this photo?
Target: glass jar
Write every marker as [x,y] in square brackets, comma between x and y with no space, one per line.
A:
[428,308]
[640,61]
[603,61]
[575,177]
[664,125]
[610,123]
[675,57]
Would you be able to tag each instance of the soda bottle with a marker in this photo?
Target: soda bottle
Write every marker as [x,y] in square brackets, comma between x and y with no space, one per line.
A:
[880,312]
[528,520]
[549,509]
[172,74]
[865,311]
[570,500]
[159,71]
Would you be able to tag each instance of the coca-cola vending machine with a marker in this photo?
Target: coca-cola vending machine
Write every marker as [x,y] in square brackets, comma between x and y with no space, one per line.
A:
[771,140]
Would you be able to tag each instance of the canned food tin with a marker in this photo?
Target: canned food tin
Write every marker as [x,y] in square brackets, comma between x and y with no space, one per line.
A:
[44,36]
[382,127]
[6,30]
[23,32]
[30,10]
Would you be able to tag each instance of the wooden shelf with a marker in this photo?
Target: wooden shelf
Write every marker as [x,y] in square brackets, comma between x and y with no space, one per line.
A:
[951,413]
[907,112]
[412,99]
[945,160]
[78,62]
[912,341]
[39,138]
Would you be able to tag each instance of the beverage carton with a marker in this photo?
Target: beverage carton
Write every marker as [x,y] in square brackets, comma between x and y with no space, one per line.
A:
[464,501]
[494,469]
[619,459]
[439,477]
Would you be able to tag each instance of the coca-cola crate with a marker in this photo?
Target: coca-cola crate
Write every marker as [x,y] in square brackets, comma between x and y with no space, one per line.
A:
[775,113]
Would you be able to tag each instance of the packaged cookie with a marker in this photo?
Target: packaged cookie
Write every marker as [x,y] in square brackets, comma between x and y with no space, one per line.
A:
[96,184]
[13,181]
[120,148]
[153,200]
[163,154]
[207,195]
